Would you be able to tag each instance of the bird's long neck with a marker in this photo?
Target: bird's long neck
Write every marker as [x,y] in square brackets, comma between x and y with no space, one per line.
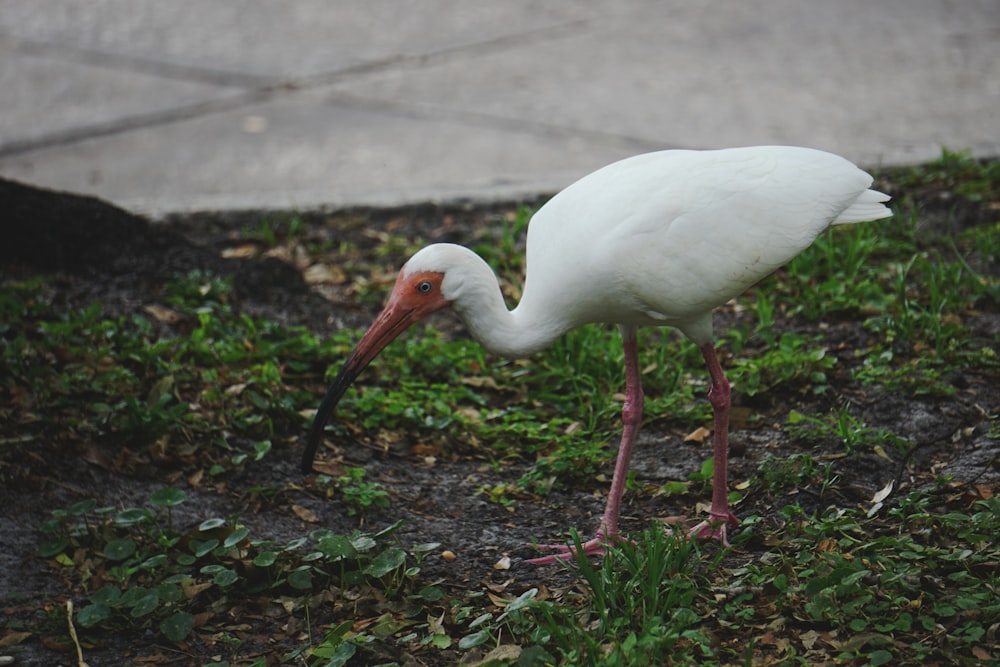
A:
[514,334]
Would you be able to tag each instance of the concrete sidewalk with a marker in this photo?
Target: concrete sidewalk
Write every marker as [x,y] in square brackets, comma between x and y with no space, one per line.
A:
[238,104]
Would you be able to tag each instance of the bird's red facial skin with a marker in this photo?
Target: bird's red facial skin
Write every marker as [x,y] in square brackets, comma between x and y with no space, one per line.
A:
[413,297]
[418,294]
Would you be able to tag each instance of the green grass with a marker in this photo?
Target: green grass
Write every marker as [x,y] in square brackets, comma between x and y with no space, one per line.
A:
[643,602]
[839,584]
[846,430]
[217,374]
[812,579]
[146,575]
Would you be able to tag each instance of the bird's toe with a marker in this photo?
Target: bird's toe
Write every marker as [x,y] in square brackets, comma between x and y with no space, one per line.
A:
[715,527]
[565,553]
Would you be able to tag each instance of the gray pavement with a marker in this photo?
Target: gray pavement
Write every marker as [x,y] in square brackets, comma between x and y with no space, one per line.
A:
[165,107]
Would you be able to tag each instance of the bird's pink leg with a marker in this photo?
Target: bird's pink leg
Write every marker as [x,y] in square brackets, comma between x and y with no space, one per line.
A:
[718,396]
[632,418]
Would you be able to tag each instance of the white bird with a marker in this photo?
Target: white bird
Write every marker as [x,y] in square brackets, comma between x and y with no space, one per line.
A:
[659,239]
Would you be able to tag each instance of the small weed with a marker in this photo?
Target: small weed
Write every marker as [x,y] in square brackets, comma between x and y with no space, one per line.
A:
[836,274]
[792,359]
[639,604]
[957,171]
[275,230]
[502,494]
[797,471]
[198,290]
[847,430]
[358,494]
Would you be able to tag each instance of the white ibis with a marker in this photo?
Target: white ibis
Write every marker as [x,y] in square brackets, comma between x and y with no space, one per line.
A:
[658,239]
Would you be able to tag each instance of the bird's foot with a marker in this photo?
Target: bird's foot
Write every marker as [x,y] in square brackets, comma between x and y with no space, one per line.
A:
[598,546]
[715,527]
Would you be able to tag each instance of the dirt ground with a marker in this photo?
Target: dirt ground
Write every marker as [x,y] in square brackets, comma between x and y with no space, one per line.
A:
[96,252]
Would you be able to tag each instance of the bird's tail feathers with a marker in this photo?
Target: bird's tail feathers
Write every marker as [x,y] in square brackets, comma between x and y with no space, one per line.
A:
[870,205]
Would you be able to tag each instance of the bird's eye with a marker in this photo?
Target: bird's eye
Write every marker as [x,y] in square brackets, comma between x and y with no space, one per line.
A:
[424,287]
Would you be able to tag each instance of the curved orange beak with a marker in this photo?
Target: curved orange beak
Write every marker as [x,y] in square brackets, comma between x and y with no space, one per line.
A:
[412,298]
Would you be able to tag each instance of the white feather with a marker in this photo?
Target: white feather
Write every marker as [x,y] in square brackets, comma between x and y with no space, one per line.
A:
[661,238]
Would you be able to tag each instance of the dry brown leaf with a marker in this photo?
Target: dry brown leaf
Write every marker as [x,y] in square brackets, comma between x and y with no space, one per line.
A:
[699,435]
[470,414]
[675,520]
[545,594]
[96,457]
[162,313]
[830,638]
[498,601]
[192,589]
[244,251]
[827,545]
[436,625]
[424,450]
[279,252]
[809,638]
[57,645]
[883,493]
[479,382]
[503,653]
[330,469]
[499,588]
[13,638]
[203,618]
[320,274]
[981,654]
[235,389]
[304,514]
[302,259]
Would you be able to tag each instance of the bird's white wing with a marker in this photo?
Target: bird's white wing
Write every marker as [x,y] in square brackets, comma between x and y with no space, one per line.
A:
[669,236]
[743,214]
